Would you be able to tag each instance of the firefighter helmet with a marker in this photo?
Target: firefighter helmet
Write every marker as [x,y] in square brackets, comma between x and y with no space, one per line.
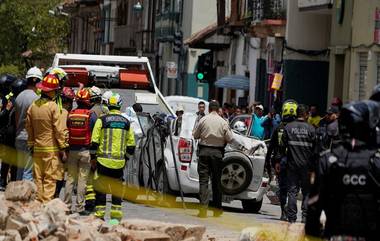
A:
[115,101]
[83,96]
[49,83]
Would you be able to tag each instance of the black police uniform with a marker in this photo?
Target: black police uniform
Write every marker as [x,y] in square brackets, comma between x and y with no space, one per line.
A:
[347,188]
[299,140]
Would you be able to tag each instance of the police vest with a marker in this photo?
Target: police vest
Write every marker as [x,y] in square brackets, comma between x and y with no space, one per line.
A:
[79,127]
[353,206]
[113,144]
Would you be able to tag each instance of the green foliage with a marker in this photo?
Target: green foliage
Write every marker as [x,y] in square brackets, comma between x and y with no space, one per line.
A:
[27,26]
[11,69]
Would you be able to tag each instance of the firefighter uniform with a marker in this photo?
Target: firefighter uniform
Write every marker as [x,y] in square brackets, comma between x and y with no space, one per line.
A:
[80,124]
[113,138]
[46,135]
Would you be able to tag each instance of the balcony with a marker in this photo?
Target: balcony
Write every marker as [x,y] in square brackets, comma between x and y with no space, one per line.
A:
[307,5]
[263,10]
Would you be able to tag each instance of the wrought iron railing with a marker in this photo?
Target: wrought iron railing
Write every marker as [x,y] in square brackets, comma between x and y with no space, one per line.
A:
[268,9]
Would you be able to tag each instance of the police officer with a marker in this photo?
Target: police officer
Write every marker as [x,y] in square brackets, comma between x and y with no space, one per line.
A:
[112,138]
[214,133]
[347,181]
[327,135]
[299,140]
[289,113]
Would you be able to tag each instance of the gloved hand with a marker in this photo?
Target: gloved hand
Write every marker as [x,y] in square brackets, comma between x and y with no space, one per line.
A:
[63,156]
[277,167]
[93,164]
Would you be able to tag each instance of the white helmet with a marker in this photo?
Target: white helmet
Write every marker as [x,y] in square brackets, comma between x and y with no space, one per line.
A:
[106,96]
[95,92]
[240,126]
[34,72]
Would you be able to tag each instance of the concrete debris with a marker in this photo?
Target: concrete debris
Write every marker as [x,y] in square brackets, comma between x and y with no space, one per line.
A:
[282,231]
[22,218]
[21,191]
[176,232]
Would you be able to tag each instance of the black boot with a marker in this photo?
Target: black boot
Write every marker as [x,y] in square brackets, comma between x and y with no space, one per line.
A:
[284,213]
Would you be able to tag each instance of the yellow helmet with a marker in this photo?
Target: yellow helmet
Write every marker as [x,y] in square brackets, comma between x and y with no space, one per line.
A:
[289,108]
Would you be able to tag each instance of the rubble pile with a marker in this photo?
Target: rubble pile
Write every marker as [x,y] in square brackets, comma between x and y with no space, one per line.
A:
[282,231]
[22,218]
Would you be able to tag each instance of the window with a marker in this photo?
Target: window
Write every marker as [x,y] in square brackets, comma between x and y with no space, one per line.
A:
[363,63]
[106,23]
[122,13]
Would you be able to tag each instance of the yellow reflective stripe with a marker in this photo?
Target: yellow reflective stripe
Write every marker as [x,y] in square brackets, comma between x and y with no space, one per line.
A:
[78,115]
[111,163]
[46,149]
[78,138]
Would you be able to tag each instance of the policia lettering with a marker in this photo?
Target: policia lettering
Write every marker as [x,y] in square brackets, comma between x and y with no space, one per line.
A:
[112,138]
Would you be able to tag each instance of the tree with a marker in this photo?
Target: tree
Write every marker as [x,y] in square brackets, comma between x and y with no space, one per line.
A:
[28,34]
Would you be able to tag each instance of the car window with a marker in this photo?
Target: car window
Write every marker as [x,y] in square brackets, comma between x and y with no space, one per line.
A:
[246,120]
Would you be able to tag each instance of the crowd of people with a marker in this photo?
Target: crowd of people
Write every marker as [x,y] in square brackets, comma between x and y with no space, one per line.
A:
[56,130]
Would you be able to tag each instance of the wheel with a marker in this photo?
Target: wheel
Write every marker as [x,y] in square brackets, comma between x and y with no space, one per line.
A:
[252,206]
[236,175]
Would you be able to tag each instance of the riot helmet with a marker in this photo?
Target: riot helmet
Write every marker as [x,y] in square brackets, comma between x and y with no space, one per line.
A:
[375,93]
[18,86]
[358,120]
[6,81]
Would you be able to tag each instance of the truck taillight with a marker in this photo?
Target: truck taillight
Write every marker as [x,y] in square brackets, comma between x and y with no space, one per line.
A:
[185,150]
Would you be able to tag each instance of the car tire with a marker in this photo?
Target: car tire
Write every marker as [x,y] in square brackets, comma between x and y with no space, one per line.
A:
[252,206]
[236,175]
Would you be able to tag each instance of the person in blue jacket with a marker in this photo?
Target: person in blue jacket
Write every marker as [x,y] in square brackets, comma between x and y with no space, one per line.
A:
[258,119]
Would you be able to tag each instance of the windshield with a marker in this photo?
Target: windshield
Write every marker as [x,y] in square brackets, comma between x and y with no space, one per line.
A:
[188,122]
[129,98]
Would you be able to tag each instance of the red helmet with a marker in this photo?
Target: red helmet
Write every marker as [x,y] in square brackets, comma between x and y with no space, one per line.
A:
[49,83]
[84,96]
[68,93]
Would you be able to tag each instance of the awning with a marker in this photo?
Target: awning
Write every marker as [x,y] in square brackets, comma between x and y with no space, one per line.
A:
[239,82]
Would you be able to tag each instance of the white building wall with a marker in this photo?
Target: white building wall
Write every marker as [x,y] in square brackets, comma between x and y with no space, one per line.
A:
[254,54]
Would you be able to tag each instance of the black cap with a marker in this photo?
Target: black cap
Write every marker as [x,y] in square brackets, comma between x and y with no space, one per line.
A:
[333,110]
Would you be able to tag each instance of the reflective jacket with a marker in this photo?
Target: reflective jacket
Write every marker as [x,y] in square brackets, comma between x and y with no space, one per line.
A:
[112,136]
[47,131]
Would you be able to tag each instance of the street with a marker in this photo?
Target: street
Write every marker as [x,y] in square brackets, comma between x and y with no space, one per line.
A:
[227,227]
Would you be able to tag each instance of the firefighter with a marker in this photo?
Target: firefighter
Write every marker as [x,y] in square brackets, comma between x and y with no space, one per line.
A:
[67,96]
[274,156]
[96,101]
[347,182]
[112,138]
[80,123]
[46,137]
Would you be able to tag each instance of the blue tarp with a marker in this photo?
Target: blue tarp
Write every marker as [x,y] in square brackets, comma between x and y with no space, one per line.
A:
[239,82]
